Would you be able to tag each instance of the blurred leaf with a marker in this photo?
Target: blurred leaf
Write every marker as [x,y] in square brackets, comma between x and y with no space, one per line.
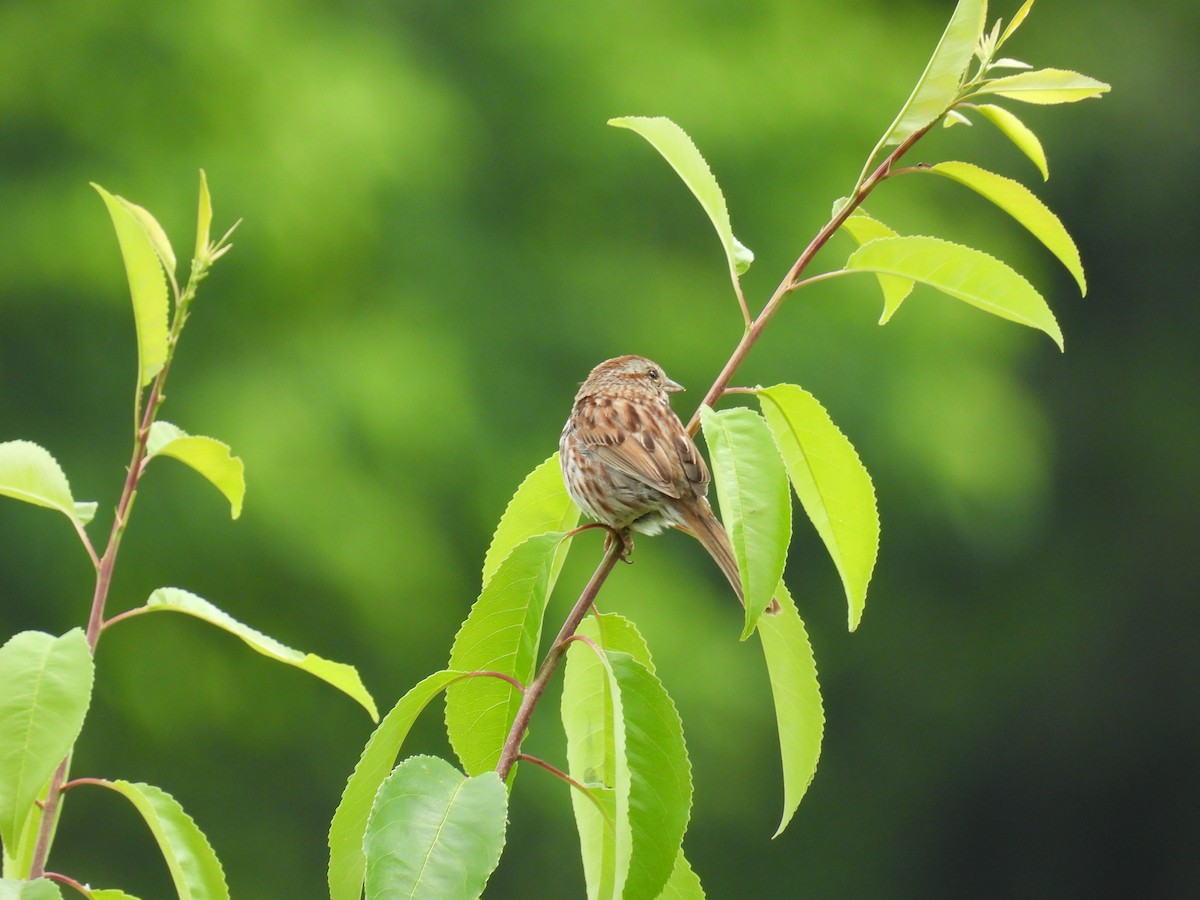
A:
[541,504]
[46,689]
[660,777]
[112,894]
[1007,63]
[798,709]
[206,455]
[595,728]
[500,634]
[1020,203]
[434,833]
[154,233]
[938,85]
[1017,132]
[38,889]
[678,149]
[962,273]
[756,505]
[347,861]
[864,228]
[28,472]
[683,883]
[147,286]
[342,676]
[832,484]
[203,220]
[1046,86]
[194,866]
[1015,23]
[954,117]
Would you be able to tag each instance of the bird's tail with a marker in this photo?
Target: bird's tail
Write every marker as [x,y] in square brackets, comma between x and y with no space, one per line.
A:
[705,527]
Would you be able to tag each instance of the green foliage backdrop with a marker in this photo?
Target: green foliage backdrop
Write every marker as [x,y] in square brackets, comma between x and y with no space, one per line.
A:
[441,237]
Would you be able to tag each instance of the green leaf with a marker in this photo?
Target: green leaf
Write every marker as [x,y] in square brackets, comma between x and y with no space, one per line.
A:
[678,149]
[541,504]
[963,273]
[500,634]
[831,483]
[594,724]
[660,777]
[798,709]
[755,502]
[864,228]
[342,676]
[112,894]
[434,833]
[683,883]
[1046,86]
[147,286]
[938,86]
[1020,203]
[38,889]
[28,472]
[154,233]
[46,689]
[208,456]
[194,866]
[611,631]
[203,221]
[347,861]
[1017,132]
[1015,23]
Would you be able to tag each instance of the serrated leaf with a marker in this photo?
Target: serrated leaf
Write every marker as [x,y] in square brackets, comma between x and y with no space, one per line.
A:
[864,228]
[799,712]
[154,233]
[38,889]
[756,506]
[203,220]
[540,504]
[347,860]
[46,690]
[29,473]
[1020,203]
[611,631]
[147,285]
[1015,23]
[500,634]
[112,894]
[208,456]
[1046,86]
[938,85]
[433,833]
[678,149]
[1017,132]
[194,866]
[683,884]
[831,483]
[962,273]
[340,675]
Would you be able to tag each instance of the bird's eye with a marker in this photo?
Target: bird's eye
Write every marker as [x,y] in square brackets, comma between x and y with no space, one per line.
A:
[653,373]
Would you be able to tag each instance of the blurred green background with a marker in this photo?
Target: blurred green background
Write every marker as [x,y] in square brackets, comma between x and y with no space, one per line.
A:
[441,237]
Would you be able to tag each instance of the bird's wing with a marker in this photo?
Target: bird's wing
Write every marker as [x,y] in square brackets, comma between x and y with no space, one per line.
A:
[640,443]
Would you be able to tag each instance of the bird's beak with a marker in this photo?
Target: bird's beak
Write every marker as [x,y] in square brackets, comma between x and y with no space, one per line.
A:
[672,387]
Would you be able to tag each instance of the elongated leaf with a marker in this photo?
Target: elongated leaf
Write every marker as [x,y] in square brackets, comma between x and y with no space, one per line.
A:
[501,634]
[938,85]
[799,712]
[434,834]
[611,631]
[1020,203]
[194,867]
[38,889]
[832,484]
[1015,22]
[28,472]
[147,285]
[347,861]
[541,504]
[203,220]
[864,228]
[342,676]
[154,233]
[1046,86]
[206,455]
[755,502]
[963,273]
[683,884]
[112,894]
[660,777]
[45,690]
[1017,132]
[678,149]
[594,724]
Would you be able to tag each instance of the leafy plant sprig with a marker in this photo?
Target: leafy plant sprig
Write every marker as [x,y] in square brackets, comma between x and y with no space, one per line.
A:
[46,681]
[627,766]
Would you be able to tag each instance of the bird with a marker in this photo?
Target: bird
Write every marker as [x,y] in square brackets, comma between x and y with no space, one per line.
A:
[628,462]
